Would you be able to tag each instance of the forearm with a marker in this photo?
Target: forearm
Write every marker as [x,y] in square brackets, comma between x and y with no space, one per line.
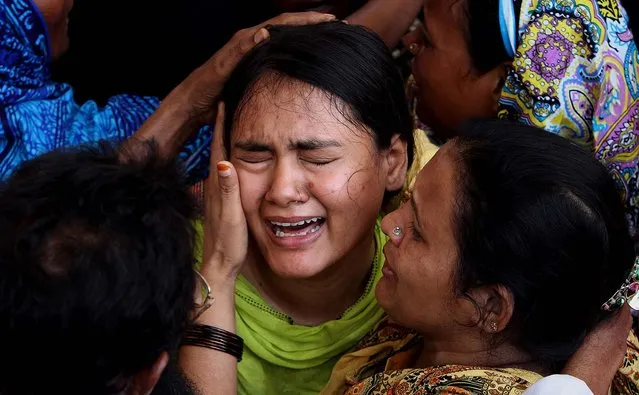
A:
[171,124]
[389,19]
[210,371]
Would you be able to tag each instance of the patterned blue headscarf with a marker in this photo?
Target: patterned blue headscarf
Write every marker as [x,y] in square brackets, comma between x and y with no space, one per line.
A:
[38,115]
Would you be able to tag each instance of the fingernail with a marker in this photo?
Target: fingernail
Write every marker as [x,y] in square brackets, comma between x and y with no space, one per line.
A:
[260,36]
[223,169]
[345,21]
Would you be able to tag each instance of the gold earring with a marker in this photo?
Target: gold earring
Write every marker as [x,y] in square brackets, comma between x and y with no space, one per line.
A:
[493,327]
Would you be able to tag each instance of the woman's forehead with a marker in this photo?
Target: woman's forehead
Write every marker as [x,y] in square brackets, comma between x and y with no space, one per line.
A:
[294,112]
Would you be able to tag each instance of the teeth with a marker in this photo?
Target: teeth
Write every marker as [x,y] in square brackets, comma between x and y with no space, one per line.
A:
[289,224]
[279,233]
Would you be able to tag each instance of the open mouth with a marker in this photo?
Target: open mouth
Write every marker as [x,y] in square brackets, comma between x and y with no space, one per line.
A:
[297,229]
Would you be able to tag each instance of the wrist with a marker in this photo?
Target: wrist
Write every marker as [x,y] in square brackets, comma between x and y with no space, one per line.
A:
[220,280]
[198,99]
[183,100]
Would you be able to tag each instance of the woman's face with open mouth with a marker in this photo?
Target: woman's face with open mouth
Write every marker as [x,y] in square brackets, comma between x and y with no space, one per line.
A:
[312,184]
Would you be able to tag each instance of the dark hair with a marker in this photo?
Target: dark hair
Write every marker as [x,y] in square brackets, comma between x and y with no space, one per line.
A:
[541,216]
[483,34]
[349,63]
[96,275]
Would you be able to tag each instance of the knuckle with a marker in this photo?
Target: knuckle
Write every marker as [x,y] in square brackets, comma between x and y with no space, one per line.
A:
[227,189]
[239,34]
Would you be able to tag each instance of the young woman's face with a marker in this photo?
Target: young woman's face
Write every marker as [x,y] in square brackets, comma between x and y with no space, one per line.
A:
[56,16]
[312,183]
[449,91]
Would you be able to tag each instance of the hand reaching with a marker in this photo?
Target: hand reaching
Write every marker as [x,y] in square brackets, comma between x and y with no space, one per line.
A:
[596,362]
[208,81]
[225,230]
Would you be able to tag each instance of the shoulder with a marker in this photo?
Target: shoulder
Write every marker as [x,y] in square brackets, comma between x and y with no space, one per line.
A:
[449,379]
[627,379]
[385,332]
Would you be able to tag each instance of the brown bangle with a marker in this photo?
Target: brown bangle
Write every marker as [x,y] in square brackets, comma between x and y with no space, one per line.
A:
[214,339]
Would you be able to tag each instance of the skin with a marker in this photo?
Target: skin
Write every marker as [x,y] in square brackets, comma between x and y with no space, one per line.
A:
[417,289]
[444,74]
[339,8]
[56,16]
[453,331]
[226,252]
[297,158]
[445,79]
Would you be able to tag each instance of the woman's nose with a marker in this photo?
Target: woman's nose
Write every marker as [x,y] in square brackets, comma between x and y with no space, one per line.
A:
[393,228]
[287,186]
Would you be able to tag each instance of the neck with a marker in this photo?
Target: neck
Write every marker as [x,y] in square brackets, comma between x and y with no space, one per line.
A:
[322,298]
[481,353]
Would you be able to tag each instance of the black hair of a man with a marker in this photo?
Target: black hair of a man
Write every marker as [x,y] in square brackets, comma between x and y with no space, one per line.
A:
[96,269]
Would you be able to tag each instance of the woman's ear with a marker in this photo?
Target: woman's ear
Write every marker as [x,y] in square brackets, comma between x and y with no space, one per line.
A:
[499,80]
[396,158]
[496,304]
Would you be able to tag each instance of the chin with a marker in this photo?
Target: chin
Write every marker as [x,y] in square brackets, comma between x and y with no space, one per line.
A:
[297,265]
[383,293]
[58,48]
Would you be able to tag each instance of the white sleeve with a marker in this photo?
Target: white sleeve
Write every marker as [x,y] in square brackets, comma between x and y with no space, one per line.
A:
[559,384]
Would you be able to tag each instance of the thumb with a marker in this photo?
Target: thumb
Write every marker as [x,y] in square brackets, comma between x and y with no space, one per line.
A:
[230,193]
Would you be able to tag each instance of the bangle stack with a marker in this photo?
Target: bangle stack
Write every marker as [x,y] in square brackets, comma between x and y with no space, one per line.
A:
[214,339]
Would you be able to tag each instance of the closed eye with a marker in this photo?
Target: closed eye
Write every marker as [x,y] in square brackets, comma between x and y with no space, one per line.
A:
[415,232]
[317,162]
[254,158]
[426,41]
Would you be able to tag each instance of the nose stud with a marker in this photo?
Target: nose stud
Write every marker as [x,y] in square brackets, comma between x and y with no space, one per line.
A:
[397,231]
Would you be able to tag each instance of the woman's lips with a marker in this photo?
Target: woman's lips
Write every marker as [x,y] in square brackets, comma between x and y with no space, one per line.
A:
[387,271]
[288,233]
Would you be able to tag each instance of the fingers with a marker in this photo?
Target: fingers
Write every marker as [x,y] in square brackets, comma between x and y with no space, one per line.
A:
[247,39]
[231,203]
[299,19]
[218,152]
[227,58]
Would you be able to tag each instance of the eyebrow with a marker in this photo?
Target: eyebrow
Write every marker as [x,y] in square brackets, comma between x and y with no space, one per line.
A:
[413,203]
[313,144]
[253,146]
[302,145]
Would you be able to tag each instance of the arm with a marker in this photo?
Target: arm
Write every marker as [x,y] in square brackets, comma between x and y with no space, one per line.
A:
[213,371]
[224,252]
[389,19]
[192,103]
[600,356]
[593,367]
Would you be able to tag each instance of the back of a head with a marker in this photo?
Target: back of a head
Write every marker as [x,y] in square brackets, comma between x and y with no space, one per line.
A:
[541,216]
[96,272]
[349,63]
